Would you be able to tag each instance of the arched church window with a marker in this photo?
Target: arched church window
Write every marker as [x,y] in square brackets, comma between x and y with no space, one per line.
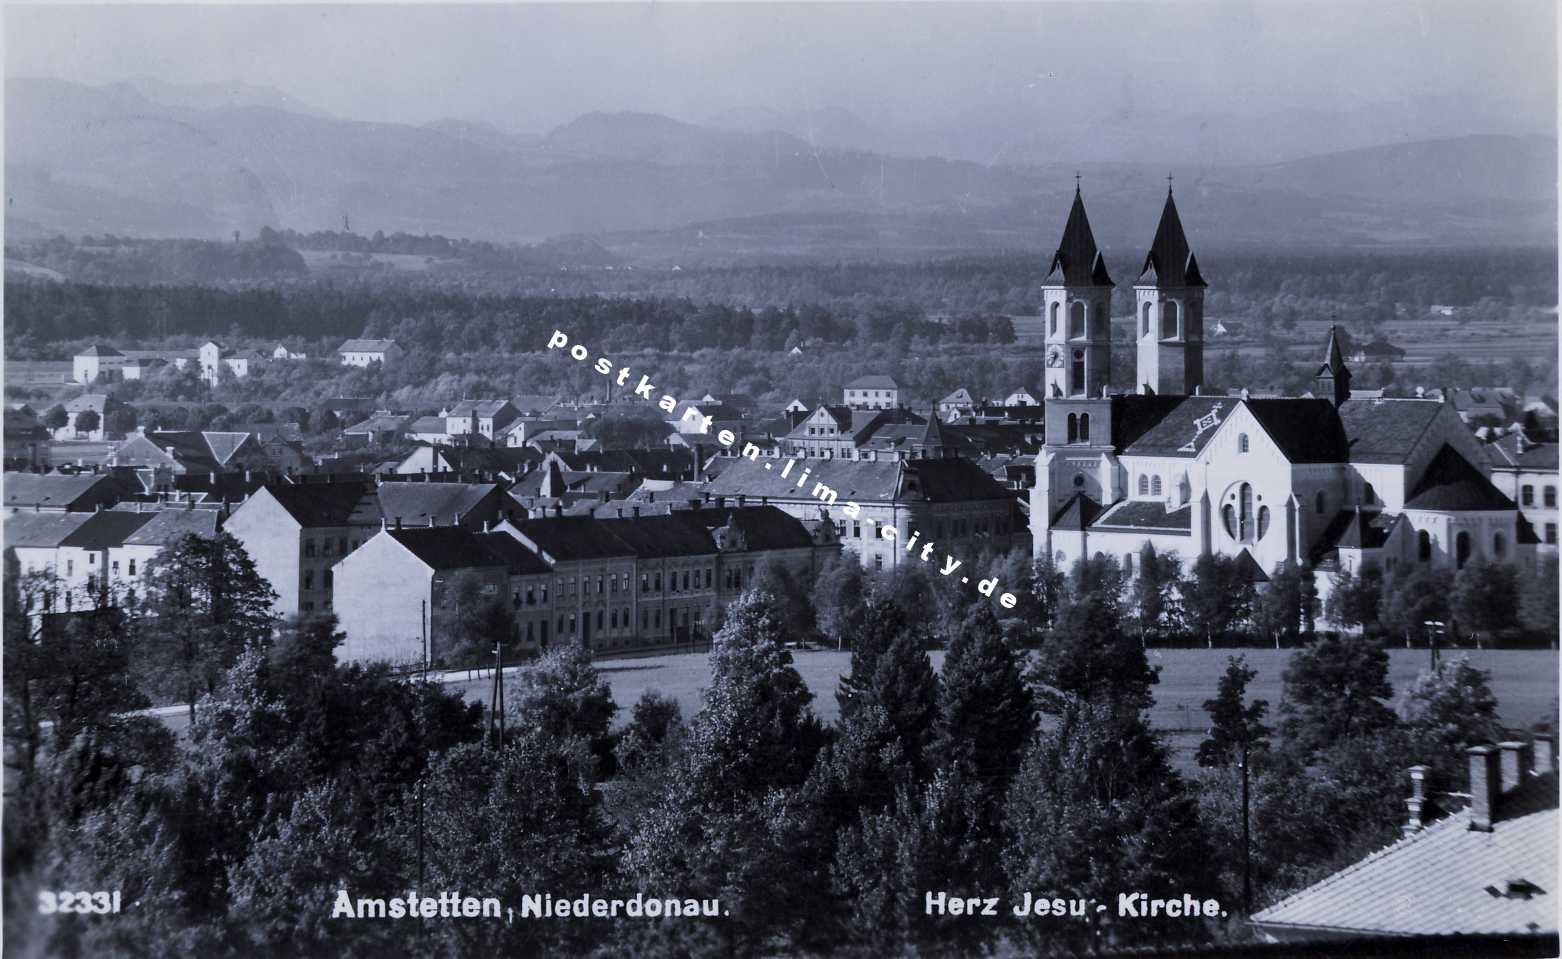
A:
[1462,549]
[1144,322]
[1053,326]
[1144,485]
[1171,315]
[1228,517]
[1077,383]
[1076,318]
[1263,522]
[1499,546]
[1084,427]
[1241,442]
[1155,486]
[1073,428]
[1424,546]
[1058,558]
[1245,513]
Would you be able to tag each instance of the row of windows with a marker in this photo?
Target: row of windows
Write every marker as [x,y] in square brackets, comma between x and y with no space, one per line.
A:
[613,620]
[1078,322]
[330,546]
[1171,319]
[979,526]
[1527,496]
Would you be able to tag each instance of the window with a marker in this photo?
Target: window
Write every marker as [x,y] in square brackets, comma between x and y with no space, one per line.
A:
[1368,494]
[645,619]
[132,567]
[658,587]
[1527,495]
[1128,564]
[1228,519]
[572,623]
[856,529]
[309,547]
[1499,546]
[1155,486]
[1076,319]
[1144,485]
[1318,502]
[325,546]
[92,559]
[325,580]
[1053,324]
[1084,427]
[1073,428]
[1144,322]
[1171,316]
[710,577]
[1079,481]
[612,585]
[878,561]
[1263,521]
[599,620]
[1424,546]
[1078,383]
[70,567]
[309,579]
[686,581]
[658,615]
[1551,533]
[1551,497]
[1241,442]
[1462,548]
[116,567]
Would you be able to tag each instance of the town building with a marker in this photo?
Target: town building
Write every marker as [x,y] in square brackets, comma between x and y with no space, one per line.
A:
[872,393]
[129,560]
[100,406]
[1526,472]
[479,418]
[1330,479]
[60,492]
[1021,397]
[949,501]
[1477,881]
[366,352]
[26,440]
[956,404]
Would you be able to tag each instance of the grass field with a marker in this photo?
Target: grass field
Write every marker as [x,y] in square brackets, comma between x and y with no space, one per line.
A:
[1525,681]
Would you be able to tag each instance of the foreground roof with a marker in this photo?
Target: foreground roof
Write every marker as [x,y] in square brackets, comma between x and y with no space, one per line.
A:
[56,490]
[45,530]
[1451,483]
[457,547]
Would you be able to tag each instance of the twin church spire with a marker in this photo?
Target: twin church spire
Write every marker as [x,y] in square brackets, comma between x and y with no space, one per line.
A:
[1168,315]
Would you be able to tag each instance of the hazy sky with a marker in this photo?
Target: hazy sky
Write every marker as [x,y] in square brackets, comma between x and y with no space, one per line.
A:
[947,74]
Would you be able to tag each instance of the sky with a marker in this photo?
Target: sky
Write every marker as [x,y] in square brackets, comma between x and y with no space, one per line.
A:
[977,80]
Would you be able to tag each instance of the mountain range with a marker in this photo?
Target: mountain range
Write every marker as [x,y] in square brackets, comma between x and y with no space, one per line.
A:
[144,158]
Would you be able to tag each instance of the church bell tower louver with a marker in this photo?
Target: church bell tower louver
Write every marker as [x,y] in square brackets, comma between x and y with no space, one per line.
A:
[1076,301]
[1169,312]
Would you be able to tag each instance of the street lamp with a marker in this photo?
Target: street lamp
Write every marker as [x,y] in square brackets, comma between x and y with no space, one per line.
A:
[1434,628]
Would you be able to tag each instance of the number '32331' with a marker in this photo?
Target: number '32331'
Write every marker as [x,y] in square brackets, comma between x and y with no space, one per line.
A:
[88,903]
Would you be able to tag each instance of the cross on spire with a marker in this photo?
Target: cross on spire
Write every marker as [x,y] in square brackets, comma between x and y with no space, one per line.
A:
[1076,181]
[1168,184]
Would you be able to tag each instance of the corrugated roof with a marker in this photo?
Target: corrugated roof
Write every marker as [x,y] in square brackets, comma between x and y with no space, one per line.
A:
[1450,483]
[1445,879]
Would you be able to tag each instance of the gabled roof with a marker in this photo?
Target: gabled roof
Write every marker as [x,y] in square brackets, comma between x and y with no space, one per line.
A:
[1356,529]
[43,530]
[480,408]
[873,382]
[962,395]
[656,536]
[224,445]
[97,349]
[427,424]
[1078,261]
[415,504]
[567,538]
[1186,429]
[168,525]
[365,346]
[1386,431]
[105,529]
[1444,879]
[1511,452]
[1306,430]
[1450,483]
[763,527]
[1248,568]
[1076,513]
[316,505]
[1146,515]
[457,547]
[1170,263]
[56,490]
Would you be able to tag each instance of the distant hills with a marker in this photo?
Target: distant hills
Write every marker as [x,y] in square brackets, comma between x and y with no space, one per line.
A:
[157,160]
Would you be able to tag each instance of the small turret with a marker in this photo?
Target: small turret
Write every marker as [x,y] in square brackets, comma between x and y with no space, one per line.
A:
[1333,377]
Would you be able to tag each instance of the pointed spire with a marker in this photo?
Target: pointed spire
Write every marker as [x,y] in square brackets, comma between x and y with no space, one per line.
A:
[1170,261]
[1333,359]
[1333,377]
[1078,261]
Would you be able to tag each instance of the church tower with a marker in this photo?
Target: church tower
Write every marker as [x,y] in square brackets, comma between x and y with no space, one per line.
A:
[1333,377]
[1169,311]
[1076,301]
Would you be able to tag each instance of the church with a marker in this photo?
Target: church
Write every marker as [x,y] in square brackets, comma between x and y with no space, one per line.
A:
[1322,478]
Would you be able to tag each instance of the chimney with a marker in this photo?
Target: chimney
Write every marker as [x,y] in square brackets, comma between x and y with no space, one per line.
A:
[1515,764]
[1416,804]
[485,525]
[1485,786]
[558,509]
[742,499]
[431,521]
[635,511]
[721,502]
[398,522]
[1545,753]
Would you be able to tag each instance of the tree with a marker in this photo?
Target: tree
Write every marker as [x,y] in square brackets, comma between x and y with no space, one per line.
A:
[1087,654]
[1216,596]
[1097,809]
[470,618]
[883,622]
[563,695]
[776,577]
[1237,732]
[1447,710]
[905,687]
[1335,689]
[1414,595]
[87,421]
[1355,600]
[1288,607]
[122,420]
[204,604]
[1154,592]
[986,712]
[1486,599]
[1538,598]
[55,417]
[1049,589]
[840,599]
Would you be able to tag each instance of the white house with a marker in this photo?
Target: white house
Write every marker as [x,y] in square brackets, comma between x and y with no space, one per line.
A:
[363,352]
